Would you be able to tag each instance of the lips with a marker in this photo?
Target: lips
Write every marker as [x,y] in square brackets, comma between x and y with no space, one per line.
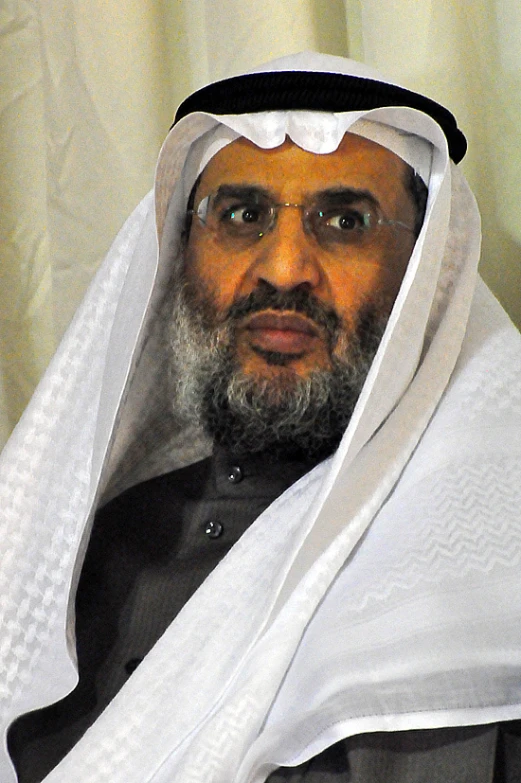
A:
[288,333]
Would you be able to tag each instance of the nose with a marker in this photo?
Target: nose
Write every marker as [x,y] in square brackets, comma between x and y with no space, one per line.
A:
[286,257]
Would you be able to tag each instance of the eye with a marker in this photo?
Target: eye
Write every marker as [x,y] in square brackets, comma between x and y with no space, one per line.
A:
[242,213]
[347,220]
[244,218]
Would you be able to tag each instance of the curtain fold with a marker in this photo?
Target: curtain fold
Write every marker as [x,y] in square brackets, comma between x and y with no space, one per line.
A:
[467,56]
[88,89]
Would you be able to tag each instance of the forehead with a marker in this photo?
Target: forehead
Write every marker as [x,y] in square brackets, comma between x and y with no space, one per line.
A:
[357,162]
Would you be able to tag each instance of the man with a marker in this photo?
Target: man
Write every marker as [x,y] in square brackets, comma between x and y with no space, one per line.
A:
[305,456]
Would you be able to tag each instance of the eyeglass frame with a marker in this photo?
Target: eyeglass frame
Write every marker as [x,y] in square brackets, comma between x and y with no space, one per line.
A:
[309,210]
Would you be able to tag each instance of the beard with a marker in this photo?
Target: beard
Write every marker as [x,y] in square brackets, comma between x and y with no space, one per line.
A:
[279,411]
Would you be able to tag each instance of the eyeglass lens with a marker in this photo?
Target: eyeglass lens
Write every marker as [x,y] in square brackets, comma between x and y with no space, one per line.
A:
[336,218]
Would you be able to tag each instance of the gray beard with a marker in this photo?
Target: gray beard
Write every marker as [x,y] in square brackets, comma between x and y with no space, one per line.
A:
[286,415]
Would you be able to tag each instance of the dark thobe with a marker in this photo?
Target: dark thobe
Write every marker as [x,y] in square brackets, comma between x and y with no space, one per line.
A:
[149,551]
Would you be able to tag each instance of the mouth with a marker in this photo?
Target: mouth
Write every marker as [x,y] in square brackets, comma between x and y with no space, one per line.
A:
[284,333]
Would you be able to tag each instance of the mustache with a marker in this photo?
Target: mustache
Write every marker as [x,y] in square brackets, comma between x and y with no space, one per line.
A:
[297,300]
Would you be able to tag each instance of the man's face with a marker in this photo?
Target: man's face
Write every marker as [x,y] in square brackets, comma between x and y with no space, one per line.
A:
[274,330]
[288,258]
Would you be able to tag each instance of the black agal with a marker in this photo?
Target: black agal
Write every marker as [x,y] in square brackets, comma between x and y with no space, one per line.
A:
[316,91]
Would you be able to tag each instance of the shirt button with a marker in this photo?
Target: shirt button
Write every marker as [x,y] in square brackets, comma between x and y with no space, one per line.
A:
[235,474]
[213,529]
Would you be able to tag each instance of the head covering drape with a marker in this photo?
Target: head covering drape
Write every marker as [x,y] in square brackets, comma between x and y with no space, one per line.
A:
[380,592]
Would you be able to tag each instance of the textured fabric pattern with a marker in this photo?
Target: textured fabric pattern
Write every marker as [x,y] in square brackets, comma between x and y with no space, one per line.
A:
[37,563]
[148,553]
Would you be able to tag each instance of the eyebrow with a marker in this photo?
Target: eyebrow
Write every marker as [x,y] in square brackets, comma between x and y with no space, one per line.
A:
[242,191]
[345,195]
[334,196]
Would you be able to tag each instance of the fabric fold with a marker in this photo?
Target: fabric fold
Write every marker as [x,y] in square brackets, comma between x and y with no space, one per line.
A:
[374,568]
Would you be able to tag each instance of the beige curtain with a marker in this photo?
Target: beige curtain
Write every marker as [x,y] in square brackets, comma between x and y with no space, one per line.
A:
[88,88]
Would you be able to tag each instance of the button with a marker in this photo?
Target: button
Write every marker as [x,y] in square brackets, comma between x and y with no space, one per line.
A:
[235,474]
[132,665]
[213,529]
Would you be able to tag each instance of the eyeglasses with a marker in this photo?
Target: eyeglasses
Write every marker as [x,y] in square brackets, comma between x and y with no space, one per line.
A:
[239,217]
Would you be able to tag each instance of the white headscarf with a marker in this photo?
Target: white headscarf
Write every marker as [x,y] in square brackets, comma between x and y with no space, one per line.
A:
[380,592]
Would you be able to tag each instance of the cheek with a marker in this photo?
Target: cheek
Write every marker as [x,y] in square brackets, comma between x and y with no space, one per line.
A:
[201,273]
[355,285]
[209,269]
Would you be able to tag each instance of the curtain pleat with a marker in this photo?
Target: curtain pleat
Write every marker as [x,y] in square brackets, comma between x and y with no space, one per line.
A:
[88,89]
